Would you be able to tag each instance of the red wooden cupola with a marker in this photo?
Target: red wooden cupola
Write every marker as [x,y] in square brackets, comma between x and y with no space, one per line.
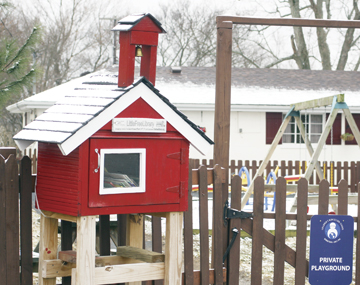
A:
[138,30]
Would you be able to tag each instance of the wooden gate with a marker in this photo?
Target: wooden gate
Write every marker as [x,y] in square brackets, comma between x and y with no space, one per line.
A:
[277,242]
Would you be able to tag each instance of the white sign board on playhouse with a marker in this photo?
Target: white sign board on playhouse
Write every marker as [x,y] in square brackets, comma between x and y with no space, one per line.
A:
[331,249]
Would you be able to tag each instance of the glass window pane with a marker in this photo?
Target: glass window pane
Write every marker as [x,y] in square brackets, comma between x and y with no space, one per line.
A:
[288,138]
[288,129]
[316,129]
[316,119]
[121,170]
[314,138]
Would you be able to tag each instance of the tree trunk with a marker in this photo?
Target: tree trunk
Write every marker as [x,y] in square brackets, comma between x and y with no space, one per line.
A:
[348,42]
[302,52]
[321,35]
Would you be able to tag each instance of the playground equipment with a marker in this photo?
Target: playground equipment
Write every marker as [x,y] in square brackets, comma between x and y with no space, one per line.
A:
[337,103]
[271,179]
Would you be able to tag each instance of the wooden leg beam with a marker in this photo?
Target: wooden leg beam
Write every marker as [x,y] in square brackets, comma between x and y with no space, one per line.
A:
[173,248]
[48,246]
[134,235]
[84,273]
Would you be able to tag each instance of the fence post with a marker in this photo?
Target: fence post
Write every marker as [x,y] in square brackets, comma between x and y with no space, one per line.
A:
[234,260]
[257,241]
[204,227]
[9,217]
[218,226]
[188,235]
[26,220]
[301,267]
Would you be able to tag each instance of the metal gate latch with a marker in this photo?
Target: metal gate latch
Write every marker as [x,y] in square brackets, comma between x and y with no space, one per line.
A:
[233,214]
[230,213]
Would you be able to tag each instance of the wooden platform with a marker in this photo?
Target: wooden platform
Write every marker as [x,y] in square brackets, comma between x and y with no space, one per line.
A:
[132,264]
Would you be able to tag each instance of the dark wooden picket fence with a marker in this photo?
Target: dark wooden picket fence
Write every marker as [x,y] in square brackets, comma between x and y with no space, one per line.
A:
[333,171]
[212,272]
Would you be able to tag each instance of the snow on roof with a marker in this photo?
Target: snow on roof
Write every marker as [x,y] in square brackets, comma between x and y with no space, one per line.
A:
[194,88]
[88,107]
[127,23]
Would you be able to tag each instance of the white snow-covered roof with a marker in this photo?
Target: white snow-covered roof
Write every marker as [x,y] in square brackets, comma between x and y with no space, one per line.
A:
[89,106]
[252,89]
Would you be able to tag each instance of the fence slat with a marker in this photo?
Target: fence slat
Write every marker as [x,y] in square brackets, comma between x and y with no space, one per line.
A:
[26,221]
[343,198]
[257,242]
[352,176]
[157,240]
[104,235]
[188,234]
[280,224]
[234,260]
[301,268]
[2,219]
[67,238]
[12,220]
[217,248]
[323,206]
[204,225]
[346,171]
[338,173]
[232,167]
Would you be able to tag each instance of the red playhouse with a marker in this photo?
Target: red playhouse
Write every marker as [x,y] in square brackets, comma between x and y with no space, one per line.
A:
[106,149]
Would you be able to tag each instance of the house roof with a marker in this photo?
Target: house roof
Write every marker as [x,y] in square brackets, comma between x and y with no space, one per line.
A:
[93,103]
[129,22]
[290,79]
[252,89]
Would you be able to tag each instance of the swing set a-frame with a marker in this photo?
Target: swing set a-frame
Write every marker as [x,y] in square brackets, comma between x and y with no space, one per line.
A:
[337,103]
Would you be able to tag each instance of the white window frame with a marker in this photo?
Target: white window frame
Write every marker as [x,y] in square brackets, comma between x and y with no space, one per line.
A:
[123,190]
[308,131]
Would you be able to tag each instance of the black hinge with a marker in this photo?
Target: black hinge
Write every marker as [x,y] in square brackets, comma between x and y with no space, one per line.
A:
[233,214]
[230,213]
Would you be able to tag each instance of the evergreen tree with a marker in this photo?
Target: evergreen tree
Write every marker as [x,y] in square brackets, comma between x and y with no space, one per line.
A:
[16,70]
[17,75]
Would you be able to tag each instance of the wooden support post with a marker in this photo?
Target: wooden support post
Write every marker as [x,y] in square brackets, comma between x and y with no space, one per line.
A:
[321,143]
[320,102]
[84,273]
[309,146]
[48,246]
[173,248]
[223,105]
[266,160]
[134,235]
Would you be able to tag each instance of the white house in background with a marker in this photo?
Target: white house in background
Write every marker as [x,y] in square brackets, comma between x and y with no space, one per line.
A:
[260,98]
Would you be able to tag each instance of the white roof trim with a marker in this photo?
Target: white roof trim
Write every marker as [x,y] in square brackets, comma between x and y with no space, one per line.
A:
[196,140]
[140,91]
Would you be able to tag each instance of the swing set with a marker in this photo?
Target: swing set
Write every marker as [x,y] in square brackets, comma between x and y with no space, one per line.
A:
[337,103]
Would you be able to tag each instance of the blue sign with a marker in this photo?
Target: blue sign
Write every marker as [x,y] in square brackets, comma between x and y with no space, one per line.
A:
[331,249]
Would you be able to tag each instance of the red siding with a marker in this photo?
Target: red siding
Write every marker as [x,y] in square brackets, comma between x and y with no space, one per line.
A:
[161,173]
[273,123]
[146,24]
[139,109]
[58,180]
